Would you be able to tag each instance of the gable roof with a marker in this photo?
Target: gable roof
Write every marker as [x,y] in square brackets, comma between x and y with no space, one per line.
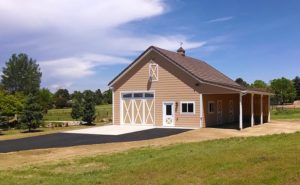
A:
[197,68]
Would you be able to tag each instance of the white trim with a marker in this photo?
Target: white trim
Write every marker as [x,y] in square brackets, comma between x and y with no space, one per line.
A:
[173,111]
[139,98]
[201,110]
[152,63]
[208,108]
[252,110]
[187,102]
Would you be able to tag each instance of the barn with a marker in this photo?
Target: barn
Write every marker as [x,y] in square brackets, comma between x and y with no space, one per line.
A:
[170,89]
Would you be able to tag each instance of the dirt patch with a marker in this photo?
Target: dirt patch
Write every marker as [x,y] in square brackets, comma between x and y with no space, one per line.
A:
[23,158]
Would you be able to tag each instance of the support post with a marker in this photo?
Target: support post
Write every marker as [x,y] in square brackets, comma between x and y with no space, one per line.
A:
[201,110]
[261,109]
[269,111]
[241,111]
[252,112]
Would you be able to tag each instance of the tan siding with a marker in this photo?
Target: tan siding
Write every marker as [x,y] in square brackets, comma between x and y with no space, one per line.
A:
[171,86]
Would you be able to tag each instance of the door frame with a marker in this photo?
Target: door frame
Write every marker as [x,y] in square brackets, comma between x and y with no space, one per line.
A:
[163,113]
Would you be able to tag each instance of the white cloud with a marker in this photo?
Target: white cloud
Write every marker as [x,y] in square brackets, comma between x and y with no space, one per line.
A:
[65,30]
[220,19]
[78,67]
[75,15]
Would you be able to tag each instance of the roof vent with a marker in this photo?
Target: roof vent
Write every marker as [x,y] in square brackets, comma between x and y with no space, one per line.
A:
[181,51]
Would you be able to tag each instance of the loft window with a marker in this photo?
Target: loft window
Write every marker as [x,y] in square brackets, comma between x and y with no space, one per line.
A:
[138,95]
[187,107]
[153,72]
[149,95]
[127,95]
[211,107]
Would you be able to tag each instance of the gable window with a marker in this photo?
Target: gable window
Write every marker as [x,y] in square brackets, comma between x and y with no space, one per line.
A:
[187,107]
[211,107]
[153,72]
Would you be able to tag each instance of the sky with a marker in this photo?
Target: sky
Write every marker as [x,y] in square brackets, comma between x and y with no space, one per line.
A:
[83,44]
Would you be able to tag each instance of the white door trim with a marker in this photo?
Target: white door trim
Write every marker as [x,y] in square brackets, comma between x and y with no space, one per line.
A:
[164,113]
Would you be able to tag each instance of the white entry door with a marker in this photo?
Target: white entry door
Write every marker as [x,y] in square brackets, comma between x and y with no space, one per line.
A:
[219,112]
[168,114]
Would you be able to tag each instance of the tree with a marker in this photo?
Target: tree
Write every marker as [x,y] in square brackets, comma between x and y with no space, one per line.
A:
[283,89]
[32,114]
[61,98]
[76,110]
[21,74]
[98,97]
[259,84]
[77,96]
[89,111]
[45,99]
[107,96]
[242,82]
[10,106]
[296,81]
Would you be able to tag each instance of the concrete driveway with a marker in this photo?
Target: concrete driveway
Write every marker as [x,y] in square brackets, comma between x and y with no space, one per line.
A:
[96,135]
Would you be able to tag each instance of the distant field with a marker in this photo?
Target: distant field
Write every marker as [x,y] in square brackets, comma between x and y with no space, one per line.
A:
[285,114]
[102,111]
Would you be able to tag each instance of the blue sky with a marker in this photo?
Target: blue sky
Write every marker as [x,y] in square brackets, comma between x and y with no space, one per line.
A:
[83,44]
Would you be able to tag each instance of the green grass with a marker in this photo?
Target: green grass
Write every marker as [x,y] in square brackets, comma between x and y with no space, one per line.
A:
[285,114]
[256,160]
[102,111]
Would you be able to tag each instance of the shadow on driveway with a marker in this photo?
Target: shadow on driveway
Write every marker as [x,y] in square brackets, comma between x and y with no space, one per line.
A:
[68,139]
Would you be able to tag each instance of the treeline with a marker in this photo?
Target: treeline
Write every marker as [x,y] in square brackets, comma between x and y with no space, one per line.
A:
[285,90]
[23,102]
[63,99]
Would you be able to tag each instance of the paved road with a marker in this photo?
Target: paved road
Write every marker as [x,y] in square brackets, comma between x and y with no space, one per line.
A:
[68,139]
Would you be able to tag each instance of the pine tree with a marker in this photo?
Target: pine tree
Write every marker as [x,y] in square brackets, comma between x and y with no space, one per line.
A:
[89,110]
[296,81]
[32,114]
[76,110]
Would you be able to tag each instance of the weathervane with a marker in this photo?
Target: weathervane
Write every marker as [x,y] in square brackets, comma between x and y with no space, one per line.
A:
[181,43]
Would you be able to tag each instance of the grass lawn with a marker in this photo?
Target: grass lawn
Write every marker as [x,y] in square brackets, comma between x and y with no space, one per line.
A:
[286,114]
[102,111]
[255,160]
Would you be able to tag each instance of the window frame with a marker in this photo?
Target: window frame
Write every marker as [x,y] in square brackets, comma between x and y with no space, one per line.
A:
[188,102]
[150,71]
[208,107]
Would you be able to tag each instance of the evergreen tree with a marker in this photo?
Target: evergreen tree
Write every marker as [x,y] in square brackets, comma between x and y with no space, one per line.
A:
[32,114]
[296,81]
[242,82]
[98,97]
[21,74]
[76,110]
[89,110]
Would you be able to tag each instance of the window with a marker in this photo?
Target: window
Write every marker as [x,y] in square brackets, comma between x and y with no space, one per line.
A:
[211,107]
[187,107]
[149,95]
[138,95]
[153,72]
[127,95]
